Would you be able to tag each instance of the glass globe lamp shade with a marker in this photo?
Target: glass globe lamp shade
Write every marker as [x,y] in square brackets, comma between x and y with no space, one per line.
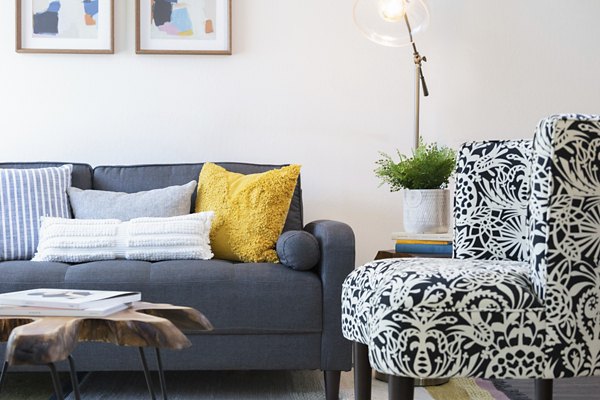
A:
[384,21]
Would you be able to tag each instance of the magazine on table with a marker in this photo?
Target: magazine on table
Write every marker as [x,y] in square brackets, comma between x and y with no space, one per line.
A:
[68,298]
[61,312]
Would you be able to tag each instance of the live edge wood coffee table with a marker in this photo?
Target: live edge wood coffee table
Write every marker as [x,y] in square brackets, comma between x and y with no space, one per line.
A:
[48,340]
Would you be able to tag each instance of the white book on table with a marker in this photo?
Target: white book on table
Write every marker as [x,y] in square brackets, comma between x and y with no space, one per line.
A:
[443,237]
[9,310]
[68,298]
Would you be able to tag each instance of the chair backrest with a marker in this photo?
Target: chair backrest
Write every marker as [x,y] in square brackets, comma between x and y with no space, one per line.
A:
[565,238]
[490,202]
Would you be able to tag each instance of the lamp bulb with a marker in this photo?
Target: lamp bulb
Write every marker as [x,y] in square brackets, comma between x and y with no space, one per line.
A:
[392,10]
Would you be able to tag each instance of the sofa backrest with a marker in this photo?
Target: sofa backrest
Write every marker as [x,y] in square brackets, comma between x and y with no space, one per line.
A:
[81,177]
[135,178]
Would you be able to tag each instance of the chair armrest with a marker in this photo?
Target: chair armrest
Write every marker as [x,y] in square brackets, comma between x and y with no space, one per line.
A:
[336,242]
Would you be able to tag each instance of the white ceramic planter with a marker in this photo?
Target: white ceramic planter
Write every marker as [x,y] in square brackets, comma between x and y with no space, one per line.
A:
[426,211]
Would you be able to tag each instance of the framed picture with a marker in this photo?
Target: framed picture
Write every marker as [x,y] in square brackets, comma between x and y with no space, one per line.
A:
[183,27]
[65,26]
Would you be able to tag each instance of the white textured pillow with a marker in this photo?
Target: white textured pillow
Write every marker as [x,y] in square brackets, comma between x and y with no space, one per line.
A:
[185,237]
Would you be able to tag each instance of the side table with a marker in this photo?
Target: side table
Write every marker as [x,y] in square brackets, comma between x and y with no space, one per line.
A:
[48,340]
[382,254]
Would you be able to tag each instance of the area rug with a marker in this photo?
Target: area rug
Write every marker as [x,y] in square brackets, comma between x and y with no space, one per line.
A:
[238,385]
[270,385]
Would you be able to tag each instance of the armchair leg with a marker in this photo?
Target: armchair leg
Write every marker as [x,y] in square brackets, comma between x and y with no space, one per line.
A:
[400,388]
[362,372]
[543,389]
[332,384]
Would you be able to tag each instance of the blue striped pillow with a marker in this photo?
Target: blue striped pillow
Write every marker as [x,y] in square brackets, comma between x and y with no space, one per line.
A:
[25,196]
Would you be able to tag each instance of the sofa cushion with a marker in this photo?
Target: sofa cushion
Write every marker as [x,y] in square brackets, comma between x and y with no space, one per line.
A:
[81,177]
[135,178]
[184,237]
[250,210]
[235,297]
[101,204]
[26,195]
[22,275]
[298,250]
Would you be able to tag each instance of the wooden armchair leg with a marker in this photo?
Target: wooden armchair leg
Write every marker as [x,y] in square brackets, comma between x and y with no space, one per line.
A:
[401,388]
[543,389]
[362,372]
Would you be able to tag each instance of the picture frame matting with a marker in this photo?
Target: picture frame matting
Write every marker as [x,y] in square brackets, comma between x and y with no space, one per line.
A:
[91,33]
[158,34]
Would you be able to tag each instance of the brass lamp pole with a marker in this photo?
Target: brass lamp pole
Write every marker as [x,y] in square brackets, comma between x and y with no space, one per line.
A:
[419,82]
[393,23]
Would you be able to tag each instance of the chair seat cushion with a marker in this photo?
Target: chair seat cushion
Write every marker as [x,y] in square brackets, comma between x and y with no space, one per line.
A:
[446,284]
[456,317]
[433,284]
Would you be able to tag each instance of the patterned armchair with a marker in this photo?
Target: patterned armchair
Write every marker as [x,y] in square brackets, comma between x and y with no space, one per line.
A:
[521,298]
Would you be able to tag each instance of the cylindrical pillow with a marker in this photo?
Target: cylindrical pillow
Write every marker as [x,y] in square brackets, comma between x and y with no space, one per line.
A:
[298,250]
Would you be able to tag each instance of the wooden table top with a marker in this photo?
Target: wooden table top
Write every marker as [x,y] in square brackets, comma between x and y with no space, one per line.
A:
[43,340]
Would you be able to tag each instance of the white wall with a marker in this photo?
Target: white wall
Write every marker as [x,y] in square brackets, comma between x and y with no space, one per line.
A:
[304,86]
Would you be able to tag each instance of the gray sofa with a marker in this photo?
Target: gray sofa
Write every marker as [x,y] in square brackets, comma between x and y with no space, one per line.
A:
[266,316]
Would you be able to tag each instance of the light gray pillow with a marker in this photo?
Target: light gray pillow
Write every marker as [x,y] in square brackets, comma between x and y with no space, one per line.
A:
[99,204]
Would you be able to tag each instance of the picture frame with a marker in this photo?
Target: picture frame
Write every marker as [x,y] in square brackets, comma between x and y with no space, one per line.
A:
[63,26]
[184,27]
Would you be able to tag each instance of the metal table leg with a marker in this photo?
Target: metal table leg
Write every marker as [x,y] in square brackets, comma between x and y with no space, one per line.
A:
[56,382]
[147,373]
[3,374]
[55,379]
[161,375]
[74,380]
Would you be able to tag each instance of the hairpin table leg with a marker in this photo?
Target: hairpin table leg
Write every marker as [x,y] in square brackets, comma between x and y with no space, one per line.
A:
[74,380]
[161,375]
[56,382]
[3,374]
[147,373]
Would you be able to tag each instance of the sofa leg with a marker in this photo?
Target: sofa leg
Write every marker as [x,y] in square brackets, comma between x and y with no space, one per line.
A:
[332,384]
[543,389]
[362,372]
[400,388]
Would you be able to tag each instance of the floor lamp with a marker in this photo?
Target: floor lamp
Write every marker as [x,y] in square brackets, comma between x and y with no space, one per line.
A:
[394,23]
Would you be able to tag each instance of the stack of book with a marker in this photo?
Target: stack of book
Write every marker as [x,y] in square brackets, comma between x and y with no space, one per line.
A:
[423,243]
[65,302]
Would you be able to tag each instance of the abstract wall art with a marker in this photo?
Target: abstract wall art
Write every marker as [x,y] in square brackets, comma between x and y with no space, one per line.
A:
[183,26]
[65,26]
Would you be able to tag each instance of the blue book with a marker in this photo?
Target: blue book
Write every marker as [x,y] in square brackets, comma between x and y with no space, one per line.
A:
[424,248]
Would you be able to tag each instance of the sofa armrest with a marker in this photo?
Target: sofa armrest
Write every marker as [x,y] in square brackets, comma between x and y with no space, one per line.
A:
[336,242]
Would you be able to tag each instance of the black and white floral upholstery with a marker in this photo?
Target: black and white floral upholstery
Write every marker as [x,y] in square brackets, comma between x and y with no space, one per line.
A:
[492,193]
[565,236]
[521,301]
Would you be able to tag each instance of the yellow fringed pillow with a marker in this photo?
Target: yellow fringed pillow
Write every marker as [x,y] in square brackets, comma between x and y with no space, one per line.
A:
[250,210]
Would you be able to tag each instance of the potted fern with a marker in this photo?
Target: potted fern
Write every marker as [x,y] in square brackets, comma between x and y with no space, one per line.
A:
[424,176]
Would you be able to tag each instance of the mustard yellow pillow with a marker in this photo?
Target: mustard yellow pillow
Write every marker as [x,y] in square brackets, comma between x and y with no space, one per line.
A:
[250,210]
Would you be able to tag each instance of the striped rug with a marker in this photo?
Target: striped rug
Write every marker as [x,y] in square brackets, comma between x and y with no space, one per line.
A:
[470,389]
